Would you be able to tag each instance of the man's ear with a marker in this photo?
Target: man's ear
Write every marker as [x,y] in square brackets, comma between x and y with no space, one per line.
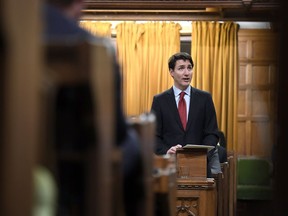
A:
[171,72]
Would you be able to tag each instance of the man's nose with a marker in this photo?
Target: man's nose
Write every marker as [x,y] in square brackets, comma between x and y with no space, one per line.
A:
[187,71]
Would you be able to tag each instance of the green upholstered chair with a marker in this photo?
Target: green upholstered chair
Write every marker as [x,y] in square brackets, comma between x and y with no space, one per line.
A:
[254,178]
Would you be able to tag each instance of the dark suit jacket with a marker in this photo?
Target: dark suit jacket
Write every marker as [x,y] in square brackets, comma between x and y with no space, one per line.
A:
[201,126]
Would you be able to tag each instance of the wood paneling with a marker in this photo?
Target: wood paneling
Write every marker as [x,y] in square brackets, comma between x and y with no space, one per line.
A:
[258,66]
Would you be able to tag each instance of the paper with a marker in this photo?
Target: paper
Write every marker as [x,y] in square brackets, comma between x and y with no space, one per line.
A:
[187,146]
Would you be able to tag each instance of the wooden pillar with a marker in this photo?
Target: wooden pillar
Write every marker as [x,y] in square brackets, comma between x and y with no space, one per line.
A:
[20,29]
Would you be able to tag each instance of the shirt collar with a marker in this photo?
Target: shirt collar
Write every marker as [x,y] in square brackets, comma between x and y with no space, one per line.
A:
[178,91]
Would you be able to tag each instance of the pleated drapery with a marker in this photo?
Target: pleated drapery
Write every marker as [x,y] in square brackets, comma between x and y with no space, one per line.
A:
[97,28]
[215,54]
[143,52]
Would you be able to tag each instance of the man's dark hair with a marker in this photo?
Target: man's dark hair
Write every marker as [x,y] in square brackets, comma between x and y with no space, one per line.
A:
[179,56]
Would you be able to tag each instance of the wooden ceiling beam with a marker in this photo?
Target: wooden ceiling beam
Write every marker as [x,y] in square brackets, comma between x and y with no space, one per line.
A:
[178,5]
[254,10]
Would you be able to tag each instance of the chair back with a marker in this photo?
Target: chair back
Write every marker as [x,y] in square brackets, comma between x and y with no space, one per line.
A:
[254,178]
[79,120]
[144,125]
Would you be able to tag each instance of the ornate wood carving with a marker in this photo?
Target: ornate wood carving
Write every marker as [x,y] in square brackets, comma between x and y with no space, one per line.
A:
[187,206]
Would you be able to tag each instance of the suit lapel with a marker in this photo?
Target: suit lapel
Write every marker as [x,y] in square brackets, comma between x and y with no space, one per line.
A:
[172,105]
[190,114]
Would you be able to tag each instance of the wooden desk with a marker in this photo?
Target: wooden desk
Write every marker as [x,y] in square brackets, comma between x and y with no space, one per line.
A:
[196,194]
[196,197]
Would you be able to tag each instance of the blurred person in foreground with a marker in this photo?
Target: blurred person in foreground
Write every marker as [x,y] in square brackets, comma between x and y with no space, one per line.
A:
[73,105]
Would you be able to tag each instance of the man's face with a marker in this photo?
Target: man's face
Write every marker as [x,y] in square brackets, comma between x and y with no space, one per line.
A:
[182,74]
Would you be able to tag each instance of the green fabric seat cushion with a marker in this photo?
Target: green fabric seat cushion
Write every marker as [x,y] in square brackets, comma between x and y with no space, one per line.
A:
[253,172]
[254,178]
[254,192]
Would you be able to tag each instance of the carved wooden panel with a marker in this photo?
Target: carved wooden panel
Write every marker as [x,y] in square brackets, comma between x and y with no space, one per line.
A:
[262,49]
[194,160]
[261,138]
[187,206]
[243,143]
[256,105]
[193,197]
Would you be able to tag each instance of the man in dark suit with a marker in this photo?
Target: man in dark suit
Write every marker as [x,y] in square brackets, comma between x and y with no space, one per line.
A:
[73,133]
[201,125]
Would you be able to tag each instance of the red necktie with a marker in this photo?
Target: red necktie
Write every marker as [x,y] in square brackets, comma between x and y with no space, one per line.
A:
[182,109]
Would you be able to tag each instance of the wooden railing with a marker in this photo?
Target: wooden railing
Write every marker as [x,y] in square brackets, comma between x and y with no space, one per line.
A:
[226,187]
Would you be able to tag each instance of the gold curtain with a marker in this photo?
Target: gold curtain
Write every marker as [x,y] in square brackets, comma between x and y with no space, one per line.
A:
[97,28]
[215,54]
[143,51]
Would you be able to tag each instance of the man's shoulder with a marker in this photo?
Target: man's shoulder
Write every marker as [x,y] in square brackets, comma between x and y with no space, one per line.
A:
[164,93]
[200,92]
[57,26]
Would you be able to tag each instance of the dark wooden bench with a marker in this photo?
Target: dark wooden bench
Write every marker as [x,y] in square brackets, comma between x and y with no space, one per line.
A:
[79,130]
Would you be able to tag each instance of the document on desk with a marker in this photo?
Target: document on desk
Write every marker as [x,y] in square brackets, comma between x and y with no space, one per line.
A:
[190,146]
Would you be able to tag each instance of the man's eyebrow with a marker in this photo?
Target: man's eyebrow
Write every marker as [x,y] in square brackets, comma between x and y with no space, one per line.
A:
[183,65]
[180,66]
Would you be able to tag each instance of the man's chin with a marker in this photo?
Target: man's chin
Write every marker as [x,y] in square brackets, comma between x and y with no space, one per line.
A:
[185,84]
